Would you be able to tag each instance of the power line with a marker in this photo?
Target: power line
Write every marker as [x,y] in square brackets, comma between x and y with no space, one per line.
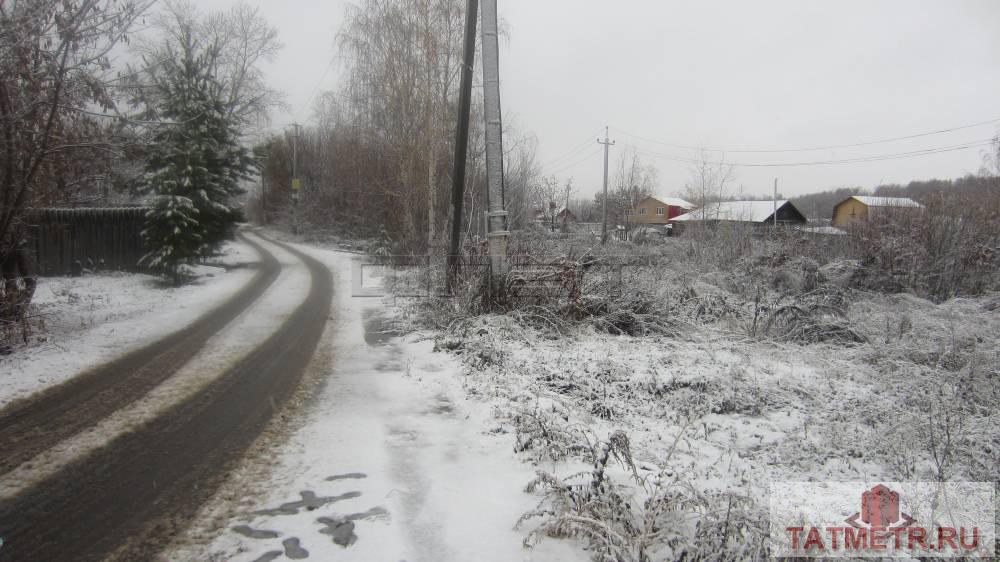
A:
[569,165]
[856,160]
[594,151]
[875,158]
[572,152]
[813,148]
[315,90]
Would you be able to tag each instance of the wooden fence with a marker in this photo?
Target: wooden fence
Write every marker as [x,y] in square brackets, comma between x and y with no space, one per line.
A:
[66,241]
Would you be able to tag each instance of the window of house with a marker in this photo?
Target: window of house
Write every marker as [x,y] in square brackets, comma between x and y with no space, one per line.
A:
[628,212]
[659,210]
[642,210]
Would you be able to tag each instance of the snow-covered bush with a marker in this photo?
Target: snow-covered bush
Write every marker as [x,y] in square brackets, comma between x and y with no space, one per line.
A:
[653,516]
[544,431]
[724,373]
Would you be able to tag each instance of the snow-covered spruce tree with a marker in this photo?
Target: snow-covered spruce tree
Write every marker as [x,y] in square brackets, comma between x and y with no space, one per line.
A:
[194,162]
[172,230]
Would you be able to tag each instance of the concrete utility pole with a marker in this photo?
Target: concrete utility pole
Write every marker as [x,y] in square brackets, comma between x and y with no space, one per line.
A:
[296,184]
[462,141]
[498,233]
[604,223]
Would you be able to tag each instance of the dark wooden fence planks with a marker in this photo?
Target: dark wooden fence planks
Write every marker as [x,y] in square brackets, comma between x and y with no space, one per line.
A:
[109,238]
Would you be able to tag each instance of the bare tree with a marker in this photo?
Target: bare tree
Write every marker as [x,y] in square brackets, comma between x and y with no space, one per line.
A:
[711,180]
[521,171]
[545,194]
[239,41]
[991,160]
[404,60]
[380,151]
[584,208]
[632,181]
[54,74]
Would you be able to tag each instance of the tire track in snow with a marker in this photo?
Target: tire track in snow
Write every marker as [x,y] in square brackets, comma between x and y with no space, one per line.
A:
[34,424]
[236,340]
[127,498]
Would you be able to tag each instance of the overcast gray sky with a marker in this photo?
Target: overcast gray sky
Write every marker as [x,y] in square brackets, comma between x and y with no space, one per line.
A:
[733,75]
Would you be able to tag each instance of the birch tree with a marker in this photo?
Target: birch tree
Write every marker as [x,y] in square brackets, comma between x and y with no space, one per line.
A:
[404,60]
[380,152]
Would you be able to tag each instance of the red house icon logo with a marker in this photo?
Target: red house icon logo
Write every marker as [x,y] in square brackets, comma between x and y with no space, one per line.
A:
[880,510]
[880,507]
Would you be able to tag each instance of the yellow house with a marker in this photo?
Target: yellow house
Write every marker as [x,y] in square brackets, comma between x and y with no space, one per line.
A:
[657,209]
[862,208]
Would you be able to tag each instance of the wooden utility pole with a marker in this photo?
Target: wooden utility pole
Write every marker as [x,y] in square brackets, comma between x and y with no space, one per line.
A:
[462,142]
[604,223]
[498,233]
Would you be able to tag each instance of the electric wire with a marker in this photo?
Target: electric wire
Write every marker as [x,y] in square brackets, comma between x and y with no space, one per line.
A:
[586,156]
[854,160]
[813,148]
[576,150]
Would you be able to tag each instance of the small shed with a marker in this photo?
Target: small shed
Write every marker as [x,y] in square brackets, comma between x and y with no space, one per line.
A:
[546,215]
[565,215]
[863,208]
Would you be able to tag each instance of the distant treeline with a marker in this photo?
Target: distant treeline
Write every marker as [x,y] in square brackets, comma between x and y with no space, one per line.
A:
[820,205]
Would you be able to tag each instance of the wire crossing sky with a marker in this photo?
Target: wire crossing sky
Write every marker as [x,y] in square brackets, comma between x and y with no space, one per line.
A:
[819,94]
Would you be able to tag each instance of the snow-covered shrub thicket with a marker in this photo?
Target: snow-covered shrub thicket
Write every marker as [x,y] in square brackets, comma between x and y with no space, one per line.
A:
[948,249]
[717,415]
[775,365]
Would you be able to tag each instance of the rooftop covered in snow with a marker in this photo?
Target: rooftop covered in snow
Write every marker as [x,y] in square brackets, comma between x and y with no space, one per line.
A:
[745,211]
[872,201]
[673,201]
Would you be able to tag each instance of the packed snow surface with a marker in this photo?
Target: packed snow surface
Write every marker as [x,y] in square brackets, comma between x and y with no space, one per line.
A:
[393,462]
[84,321]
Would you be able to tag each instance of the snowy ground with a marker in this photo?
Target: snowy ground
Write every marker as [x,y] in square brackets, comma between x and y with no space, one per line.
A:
[232,343]
[85,321]
[420,447]
[713,416]
[392,462]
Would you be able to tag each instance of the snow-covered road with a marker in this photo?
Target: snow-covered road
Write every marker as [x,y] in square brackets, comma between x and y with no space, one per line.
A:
[130,463]
[389,462]
[92,319]
[235,341]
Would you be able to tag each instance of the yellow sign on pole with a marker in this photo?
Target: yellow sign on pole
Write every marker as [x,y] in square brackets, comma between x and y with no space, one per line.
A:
[296,184]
